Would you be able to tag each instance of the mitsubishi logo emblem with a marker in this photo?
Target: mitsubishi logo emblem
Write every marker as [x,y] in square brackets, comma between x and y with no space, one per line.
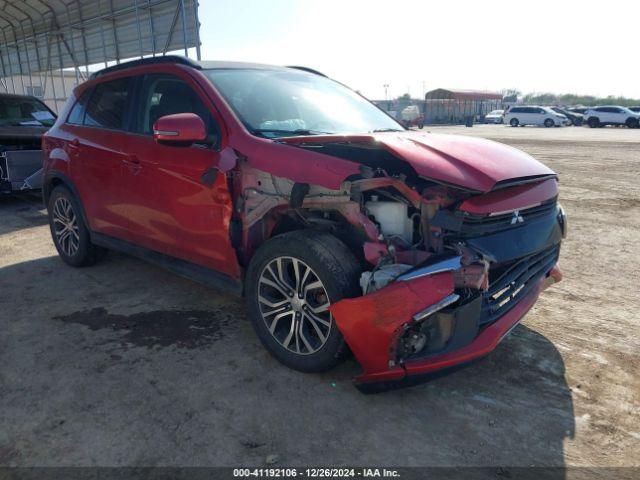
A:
[517,218]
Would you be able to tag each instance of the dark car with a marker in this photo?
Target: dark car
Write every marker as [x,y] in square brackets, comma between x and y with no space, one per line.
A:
[575,118]
[635,109]
[580,110]
[23,121]
[344,231]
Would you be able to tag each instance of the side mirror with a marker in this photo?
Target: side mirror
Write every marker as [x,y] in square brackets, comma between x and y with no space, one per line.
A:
[179,128]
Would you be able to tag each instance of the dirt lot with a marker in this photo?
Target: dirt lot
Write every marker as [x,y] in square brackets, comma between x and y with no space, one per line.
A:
[125,364]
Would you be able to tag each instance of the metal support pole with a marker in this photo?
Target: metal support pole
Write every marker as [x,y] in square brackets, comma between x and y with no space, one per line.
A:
[13,78]
[114,30]
[152,32]
[104,47]
[196,5]
[64,87]
[135,4]
[4,73]
[73,45]
[184,28]
[84,41]
[173,26]
[36,48]
[15,45]
[26,49]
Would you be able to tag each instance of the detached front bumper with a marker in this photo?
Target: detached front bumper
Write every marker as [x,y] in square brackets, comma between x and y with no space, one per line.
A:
[374,324]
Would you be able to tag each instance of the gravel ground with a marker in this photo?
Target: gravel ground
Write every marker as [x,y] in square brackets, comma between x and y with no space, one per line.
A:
[126,364]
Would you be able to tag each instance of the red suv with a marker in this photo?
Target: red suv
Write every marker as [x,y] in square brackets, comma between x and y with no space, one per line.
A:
[344,231]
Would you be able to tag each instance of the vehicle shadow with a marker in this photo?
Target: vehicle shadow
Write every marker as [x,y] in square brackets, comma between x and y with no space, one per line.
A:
[21,210]
[124,329]
[509,411]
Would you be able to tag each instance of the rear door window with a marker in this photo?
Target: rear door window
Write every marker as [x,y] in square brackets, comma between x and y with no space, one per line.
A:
[108,105]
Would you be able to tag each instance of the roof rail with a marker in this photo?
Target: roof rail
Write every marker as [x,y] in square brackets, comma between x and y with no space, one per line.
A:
[148,61]
[307,69]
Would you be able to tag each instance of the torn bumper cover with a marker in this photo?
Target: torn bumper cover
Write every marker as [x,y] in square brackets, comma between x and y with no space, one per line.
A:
[419,325]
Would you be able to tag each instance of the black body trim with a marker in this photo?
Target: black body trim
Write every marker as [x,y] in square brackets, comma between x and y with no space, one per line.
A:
[183,268]
[515,282]
[148,61]
[46,191]
[369,388]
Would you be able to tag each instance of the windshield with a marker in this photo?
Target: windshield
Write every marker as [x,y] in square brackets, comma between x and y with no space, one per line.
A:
[280,103]
[25,112]
[496,112]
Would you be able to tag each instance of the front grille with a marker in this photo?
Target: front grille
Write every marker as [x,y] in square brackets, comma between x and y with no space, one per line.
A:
[475,225]
[514,282]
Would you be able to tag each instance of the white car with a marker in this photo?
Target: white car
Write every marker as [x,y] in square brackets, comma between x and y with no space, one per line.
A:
[494,116]
[612,115]
[532,115]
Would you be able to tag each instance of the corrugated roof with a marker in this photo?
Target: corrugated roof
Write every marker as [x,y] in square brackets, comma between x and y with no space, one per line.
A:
[42,35]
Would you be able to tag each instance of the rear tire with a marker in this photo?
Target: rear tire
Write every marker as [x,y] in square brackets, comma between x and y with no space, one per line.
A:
[594,122]
[69,233]
[514,122]
[291,281]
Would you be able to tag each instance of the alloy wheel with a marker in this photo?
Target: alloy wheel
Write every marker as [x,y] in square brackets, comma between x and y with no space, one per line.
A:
[65,226]
[294,305]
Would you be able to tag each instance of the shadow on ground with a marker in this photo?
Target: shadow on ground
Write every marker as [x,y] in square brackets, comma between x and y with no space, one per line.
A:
[125,364]
[21,210]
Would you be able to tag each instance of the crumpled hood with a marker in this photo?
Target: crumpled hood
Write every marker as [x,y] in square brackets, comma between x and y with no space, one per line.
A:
[469,162]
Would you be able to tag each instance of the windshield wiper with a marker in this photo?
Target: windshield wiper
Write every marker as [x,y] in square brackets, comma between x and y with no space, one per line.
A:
[299,131]
[380,130]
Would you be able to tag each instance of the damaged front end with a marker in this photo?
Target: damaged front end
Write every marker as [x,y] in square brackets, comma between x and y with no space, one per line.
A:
[448,270]
[488,256]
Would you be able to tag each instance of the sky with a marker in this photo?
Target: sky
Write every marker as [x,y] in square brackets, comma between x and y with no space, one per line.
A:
[413,46]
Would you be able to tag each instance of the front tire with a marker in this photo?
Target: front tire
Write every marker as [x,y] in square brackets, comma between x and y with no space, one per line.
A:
[69,233]
[593,122]
[632,122]
[548,123]
[291,281]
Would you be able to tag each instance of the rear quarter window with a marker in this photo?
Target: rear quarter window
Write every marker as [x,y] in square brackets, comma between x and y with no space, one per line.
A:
[76,115]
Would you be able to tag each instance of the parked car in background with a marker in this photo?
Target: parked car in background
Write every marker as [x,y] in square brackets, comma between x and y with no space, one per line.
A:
[575,118]
[579,110]
[494,116]
[23,120]
[344,231]
[411,116]
[635,109]
[534,115]
[612,115]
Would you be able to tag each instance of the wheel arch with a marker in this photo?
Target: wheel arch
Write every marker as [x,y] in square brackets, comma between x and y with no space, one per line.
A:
[284,221]
[55,179]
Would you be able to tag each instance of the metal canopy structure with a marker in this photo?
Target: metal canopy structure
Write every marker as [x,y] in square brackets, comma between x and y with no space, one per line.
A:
[43,39]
